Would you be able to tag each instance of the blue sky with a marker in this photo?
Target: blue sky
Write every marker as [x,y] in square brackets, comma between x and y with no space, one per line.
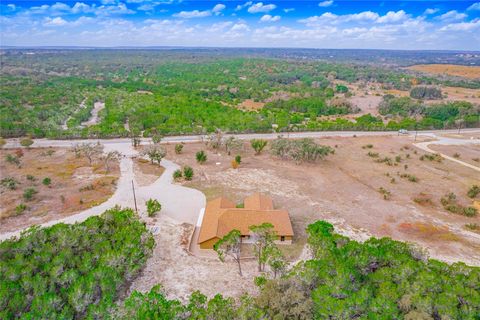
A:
[447,25]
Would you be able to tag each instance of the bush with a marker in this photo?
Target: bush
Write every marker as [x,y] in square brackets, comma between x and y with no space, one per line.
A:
[2,142]
[29,193]
[470,212]
[473,191]
[422,92]
[178,148]
[31,177]
[153,207]
[258,145]
[188,173]
[9,183]
[238,158]
[300,150]
[367,146]
[177,174]
[26,142]
[386,194]
[20,209]
[234,164]
[201,157]
[12,159]
[46,181]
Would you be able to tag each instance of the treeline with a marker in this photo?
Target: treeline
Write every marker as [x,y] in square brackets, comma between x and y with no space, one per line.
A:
[72,271]
[78,271]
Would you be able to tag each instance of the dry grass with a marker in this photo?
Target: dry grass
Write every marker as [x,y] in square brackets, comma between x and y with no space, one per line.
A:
[428,231]
[75,186]
[250,105]
[471,72]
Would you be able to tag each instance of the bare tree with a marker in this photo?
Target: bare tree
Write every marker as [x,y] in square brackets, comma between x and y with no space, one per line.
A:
[230,245]
[89,150]
[263,236]
[108,158]
[215,140]
[233,144]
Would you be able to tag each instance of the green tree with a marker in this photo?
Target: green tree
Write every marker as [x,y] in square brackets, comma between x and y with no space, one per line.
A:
[178,148]
[230,245]
[258,145]
[155,153]
[201,157]
[153,207]
[263,237]
[188,173]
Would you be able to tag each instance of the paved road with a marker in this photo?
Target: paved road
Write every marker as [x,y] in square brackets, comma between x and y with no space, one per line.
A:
[14,143]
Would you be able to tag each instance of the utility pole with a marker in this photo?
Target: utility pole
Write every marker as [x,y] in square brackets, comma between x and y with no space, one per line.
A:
[134,197]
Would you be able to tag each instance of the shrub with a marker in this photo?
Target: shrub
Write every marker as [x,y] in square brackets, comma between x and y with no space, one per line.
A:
[398,158]
[29,193]
[177,174]
[456,155]
[178,148]
[26,142]
[20,209]
[300,150]
[234,164]
[473,191]
[470,212]
[46,181]
[2,142]
[201,157]
[12,159]
[9,183]
[409,177]
[31,177]
[238,158]
[367,146]
[373,154]
[153,207]
[386,194]
[423,92]
[258,145]
[188,173]
[432,157]
[473,226]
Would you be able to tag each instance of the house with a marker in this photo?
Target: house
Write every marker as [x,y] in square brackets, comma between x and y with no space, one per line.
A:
[222,216]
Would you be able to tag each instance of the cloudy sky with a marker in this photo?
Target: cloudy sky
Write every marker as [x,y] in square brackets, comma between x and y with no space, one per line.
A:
[390,24]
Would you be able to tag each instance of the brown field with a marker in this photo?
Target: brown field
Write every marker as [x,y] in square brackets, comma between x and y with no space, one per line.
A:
[470,72]
[344,189]
[468,153]
[75,186]
[145,172]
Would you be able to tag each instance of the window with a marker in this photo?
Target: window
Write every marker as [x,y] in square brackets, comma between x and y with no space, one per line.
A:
[282,238]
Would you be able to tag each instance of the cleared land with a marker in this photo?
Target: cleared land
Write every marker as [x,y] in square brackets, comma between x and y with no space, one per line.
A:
[345,189]
[469,153]
[471,72]
[74,185]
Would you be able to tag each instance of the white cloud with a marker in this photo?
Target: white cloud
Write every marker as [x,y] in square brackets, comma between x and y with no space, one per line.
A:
[287,10]
[431,11]
[81,7]
[55,22]
[241,6]
[452,15]
[240,27]
[269,18]
[462,26]
[393,16]
[475,6]
[260,7]
[218,8]
[326,3]
[193,14]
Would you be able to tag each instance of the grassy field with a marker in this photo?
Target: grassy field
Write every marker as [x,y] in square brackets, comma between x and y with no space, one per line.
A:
[470,72]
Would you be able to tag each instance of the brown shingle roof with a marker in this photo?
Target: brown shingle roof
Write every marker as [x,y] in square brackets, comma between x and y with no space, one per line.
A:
[258,201]
[221,217]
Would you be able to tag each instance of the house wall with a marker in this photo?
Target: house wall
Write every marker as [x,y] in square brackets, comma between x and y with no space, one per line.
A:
[209,243]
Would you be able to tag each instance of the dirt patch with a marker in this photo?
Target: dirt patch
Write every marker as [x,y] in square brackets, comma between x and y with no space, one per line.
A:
[73,186]
[181,273]
[250,105]
[470,72]
[345,189]
[466,153]
[145,172]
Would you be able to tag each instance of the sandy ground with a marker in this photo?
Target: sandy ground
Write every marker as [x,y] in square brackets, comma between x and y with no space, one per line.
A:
[181,273]
[94,119]
[471,72]
[250,105]
[467,153]
[75,186]
[344,190]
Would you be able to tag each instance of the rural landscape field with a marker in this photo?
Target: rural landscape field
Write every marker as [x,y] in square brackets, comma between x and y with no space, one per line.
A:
[238,160]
